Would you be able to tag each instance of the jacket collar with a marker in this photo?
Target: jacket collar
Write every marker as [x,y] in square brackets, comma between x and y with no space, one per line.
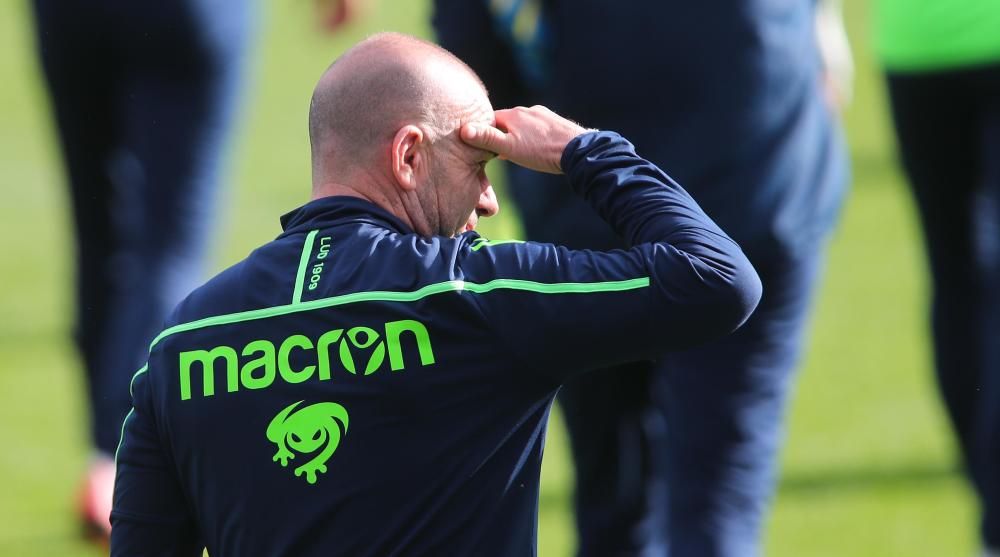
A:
[338,209]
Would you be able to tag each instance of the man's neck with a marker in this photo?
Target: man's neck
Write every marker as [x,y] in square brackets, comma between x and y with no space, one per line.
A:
[330,189]
[374,195]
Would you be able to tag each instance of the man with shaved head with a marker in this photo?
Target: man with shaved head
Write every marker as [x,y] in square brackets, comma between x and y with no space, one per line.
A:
[377,380]
[388,96]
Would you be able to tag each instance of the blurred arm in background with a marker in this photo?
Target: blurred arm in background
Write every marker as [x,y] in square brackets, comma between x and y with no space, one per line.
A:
[835,51]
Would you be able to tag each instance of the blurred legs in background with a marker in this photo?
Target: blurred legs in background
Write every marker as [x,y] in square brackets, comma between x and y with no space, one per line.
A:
[948,129]
[724,404]
[679,459]
[143,97]
[698,436]
[614,431]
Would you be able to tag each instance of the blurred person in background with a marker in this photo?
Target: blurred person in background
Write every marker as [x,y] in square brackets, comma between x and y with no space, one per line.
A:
[143,96]
[942,64]
[735,99]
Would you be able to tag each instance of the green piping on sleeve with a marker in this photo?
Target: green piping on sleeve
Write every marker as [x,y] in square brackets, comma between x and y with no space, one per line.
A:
[300,276]
[403,297]
[137,374]
[480,243]
[121,439]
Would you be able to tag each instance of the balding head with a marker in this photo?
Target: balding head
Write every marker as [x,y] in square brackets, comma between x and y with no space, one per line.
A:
[381,84]
[384,123]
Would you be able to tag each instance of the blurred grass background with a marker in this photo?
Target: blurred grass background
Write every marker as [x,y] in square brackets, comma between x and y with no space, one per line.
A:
[868,469]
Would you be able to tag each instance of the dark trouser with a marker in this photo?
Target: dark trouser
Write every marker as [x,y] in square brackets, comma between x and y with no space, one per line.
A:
[678,457]
[724,405]
[948,129]
[142,95]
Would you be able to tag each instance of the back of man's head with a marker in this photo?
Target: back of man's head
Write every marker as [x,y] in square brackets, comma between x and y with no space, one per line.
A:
[382,83]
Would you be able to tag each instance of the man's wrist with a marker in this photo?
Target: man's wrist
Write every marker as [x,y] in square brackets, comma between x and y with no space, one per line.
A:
[578,142]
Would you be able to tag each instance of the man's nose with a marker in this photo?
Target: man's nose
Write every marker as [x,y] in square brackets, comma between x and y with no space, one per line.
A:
[488,204]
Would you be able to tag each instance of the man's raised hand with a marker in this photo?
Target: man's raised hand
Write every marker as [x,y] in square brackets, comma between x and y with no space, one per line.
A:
[533,137]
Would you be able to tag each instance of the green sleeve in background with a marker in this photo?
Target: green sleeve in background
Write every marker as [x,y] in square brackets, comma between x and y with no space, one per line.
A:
[931,35]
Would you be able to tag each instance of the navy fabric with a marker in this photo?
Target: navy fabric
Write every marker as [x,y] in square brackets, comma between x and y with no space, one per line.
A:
[948,128]
[440,456]
[143,97]
[727,97]
[723,405]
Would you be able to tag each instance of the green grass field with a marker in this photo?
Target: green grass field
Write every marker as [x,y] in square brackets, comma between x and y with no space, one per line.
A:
[868,469]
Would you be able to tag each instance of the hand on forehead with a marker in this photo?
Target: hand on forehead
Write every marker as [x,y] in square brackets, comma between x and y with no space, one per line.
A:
[533,137]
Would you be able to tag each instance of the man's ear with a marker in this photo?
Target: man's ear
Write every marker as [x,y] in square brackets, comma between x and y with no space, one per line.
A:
[407,156]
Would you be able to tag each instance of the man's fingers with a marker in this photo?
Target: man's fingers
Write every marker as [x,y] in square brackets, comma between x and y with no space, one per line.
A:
[487,138]
[533,137]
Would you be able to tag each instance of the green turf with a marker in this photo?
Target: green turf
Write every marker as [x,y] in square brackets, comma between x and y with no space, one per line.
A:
[868,467]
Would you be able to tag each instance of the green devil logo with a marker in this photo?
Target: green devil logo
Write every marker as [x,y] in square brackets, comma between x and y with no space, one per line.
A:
[310,429]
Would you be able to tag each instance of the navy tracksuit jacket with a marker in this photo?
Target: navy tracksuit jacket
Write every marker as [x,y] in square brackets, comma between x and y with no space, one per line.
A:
[352,388]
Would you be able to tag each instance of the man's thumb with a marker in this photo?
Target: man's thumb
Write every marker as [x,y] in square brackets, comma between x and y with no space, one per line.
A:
[487,138]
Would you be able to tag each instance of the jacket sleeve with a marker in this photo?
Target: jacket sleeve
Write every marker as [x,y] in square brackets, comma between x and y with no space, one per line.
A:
[149,515]
[561,311]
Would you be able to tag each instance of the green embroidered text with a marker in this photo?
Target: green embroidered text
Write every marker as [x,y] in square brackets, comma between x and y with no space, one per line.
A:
[260,362]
